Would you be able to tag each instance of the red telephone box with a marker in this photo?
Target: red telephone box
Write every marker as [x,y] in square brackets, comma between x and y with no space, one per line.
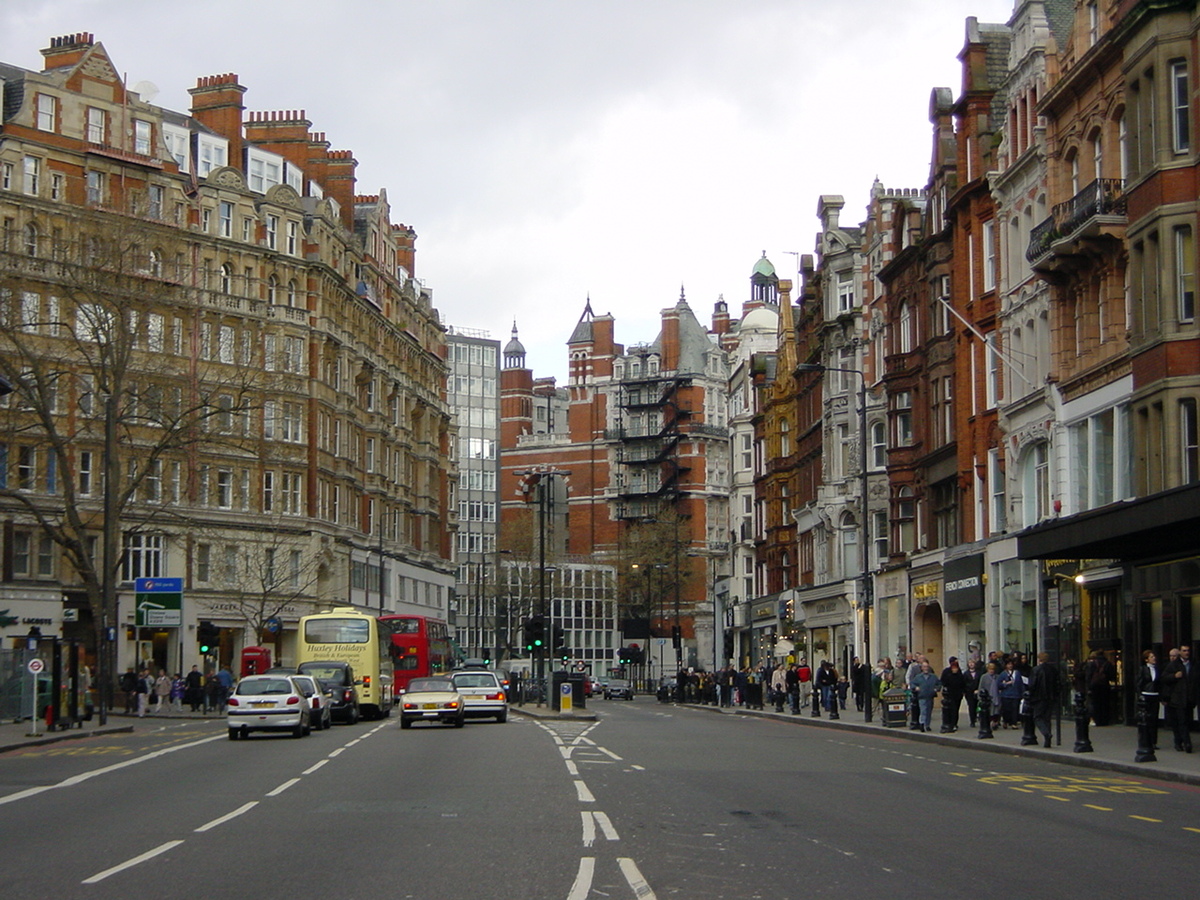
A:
[255,661]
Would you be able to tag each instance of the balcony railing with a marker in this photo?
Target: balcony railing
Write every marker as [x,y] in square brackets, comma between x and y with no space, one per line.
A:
[1103,197]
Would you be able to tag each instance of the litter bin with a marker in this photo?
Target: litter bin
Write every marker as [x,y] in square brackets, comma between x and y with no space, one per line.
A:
[895,708]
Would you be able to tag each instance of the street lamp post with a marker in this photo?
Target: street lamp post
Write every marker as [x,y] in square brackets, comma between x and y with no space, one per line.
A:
[864,548]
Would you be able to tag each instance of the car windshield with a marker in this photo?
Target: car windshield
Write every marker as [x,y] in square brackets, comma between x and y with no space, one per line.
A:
[430,684]
[263,686]
[471,679]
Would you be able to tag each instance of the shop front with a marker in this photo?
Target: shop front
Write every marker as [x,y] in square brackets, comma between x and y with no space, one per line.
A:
[964,591]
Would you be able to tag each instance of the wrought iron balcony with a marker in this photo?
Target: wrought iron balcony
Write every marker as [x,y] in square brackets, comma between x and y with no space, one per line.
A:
[1103,197]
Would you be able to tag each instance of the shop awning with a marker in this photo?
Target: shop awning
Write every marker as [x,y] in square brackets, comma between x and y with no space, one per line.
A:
[1161,525]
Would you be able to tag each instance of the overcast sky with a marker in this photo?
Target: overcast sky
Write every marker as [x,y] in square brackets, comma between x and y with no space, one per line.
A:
[551,150]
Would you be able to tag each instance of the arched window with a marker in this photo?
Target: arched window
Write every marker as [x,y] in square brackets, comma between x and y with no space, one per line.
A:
[156,268]
[226,279]
[905,329]
[291,293]
[272,289]
[31,239]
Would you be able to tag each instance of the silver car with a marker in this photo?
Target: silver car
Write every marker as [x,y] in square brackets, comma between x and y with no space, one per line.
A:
[320,700]
[483,695]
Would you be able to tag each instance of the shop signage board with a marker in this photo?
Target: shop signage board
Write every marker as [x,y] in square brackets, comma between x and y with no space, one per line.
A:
[158,602]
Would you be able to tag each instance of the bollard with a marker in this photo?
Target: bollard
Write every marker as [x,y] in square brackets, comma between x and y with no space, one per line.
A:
[985,716]
[1146,701]
[1083,743]
[834,700]
[1028,738]
[945,729]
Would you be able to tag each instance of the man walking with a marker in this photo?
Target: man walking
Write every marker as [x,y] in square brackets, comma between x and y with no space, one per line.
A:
[1044,690]
[1175,697]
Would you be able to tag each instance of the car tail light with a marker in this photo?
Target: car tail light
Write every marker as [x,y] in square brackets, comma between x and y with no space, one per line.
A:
[347,695]
[410,706]
[366,682]
[453,704]
[316,702]
[497,696]
[293,700]
[232,701]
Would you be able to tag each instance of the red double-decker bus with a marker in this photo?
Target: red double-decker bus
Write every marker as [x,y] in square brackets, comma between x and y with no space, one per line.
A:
[420,646]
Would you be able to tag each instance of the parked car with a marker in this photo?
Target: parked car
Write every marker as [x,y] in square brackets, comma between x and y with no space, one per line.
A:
[339,678]
[482,694]
[432,700]
[619,688]
[320,700]
[268,703]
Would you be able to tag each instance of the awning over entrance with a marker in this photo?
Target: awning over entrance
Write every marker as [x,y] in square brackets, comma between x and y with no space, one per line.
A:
[1161,525]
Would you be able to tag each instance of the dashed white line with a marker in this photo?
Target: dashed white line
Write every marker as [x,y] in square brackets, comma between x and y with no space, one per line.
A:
[608,753]
[283,787]
[572,769]
[221,820]
[897,771]
[629,869]
[129,863]
[582,887]
[592,819]
[583,794]
[314,768]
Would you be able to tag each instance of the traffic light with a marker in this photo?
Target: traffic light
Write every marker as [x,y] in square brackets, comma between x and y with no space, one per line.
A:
[207,635]
[676,636]
[560,640]
[535,634]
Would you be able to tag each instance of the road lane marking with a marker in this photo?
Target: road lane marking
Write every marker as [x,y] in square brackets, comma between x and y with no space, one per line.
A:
[1144,819]
[1101,808]
[314,768]
[283,787]
[353,742]
[629,869]
[583,794]
[337,752]
[582,888]
[1059,799]
[897,771]
[572,769]
[609,753]
[129,863]
[592,819]
[221,820]
[1186,828]
[84,776]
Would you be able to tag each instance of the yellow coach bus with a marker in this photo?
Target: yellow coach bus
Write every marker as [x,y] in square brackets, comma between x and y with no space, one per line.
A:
[346,635]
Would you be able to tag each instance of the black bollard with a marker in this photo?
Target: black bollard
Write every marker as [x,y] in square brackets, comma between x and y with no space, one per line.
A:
[833,704]
[1028,738]
[816,702]
[1083,743]
[985,716]
[1146,701]
[945,729]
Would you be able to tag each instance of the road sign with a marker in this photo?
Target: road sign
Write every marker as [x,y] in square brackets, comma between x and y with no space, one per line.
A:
[158,602]
[567,695]
[35,665]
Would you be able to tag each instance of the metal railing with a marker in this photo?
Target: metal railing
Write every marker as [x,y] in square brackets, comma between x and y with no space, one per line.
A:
[1103,197]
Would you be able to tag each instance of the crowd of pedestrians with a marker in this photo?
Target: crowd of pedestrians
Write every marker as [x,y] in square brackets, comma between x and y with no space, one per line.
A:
[161,694]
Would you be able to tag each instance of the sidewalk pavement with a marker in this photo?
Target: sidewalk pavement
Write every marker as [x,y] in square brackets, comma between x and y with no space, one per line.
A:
[15,735]
[1114,746]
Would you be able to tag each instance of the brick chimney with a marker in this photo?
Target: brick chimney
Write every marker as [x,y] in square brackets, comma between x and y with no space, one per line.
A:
[67,50]
[217,104]
[339,182]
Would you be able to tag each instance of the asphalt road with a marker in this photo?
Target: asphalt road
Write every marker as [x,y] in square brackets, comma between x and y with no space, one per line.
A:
[650,801]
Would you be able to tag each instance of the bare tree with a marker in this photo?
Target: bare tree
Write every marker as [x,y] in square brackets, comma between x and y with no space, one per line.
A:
[121,383]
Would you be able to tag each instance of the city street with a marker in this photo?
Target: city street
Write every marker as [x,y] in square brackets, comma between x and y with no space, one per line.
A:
[650,800]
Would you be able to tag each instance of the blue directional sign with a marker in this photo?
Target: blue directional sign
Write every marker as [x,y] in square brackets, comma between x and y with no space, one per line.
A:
[158,602]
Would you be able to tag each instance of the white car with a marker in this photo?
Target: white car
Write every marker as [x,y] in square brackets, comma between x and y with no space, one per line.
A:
[320,700]
[483,695]
[268,703]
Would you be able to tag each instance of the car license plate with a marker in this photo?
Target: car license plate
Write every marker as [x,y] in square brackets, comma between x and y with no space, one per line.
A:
[261,703]
[428,706]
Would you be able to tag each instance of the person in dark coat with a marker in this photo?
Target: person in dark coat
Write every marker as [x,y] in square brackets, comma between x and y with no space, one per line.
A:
[860,681]
[1098,678]
[954,688]
[193,691]
[1012,689]
[1174,691]
[1045,687]
[972,674]
[1147,682]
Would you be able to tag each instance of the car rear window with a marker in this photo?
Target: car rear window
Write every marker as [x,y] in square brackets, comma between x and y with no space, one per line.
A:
[261,686]
[473,679]
[430,684]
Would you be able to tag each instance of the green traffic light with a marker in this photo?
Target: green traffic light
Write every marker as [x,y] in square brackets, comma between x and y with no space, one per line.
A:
[537,642]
